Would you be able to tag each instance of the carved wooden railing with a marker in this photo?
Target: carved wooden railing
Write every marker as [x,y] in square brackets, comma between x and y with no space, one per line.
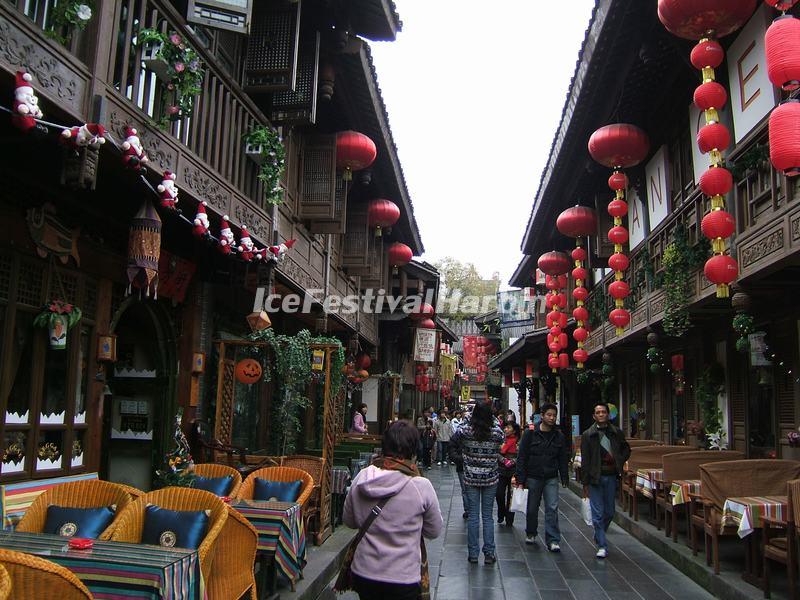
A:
[40,14]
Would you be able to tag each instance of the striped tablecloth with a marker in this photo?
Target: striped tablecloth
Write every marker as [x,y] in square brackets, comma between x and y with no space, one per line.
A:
[15,498]
[367,456]
[116,570]
[340,479]
[356,466]
[746,512]
[280,533]
[681,488]
[646,481]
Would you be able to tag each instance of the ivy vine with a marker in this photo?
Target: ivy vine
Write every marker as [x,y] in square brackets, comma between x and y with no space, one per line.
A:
[681,260]
[68,15]
[708,386]
[756,158]
[597,307]
[273,161]
[654,358]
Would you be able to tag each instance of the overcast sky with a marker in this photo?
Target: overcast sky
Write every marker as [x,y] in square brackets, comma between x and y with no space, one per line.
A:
[474,92]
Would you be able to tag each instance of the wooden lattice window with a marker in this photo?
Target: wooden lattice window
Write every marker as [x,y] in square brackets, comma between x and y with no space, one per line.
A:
[318,178]
[272,48]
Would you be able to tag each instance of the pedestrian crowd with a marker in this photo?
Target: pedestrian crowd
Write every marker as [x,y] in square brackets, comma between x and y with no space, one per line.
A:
[494,460]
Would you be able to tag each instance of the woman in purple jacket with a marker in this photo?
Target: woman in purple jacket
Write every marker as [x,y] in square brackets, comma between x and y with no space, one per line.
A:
[360,420]
[388,560]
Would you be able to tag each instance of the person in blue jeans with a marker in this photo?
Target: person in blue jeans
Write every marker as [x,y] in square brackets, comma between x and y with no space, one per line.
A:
[603,455]
[541,465]
[478,442]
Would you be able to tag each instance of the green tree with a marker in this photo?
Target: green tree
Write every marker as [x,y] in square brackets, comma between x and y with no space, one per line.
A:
[464,293]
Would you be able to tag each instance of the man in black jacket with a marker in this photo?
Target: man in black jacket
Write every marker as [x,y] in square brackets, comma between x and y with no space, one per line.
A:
[603,455]
[541,462]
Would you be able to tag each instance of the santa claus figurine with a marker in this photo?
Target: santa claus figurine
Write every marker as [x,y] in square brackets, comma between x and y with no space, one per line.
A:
[26,104]
[88,134]
[133,156]
[168,190]
[281,249]
[201,224]
[226,239]
[247,250]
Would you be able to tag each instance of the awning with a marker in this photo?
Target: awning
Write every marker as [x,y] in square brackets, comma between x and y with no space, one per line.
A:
[516,354]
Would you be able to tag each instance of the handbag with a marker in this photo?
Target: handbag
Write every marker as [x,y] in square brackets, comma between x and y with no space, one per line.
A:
[519,500]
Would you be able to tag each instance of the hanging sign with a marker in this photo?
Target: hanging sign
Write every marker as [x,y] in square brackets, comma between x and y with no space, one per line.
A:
[318,360]
[758,349]
[425,345]
[465,393]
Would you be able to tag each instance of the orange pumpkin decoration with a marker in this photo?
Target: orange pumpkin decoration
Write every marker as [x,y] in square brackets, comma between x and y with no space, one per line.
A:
[248,371]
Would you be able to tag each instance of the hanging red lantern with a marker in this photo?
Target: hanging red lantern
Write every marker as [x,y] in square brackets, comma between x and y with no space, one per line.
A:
[619,145]
[617,208]
[619,290]
[579,254]
[721,269]
[618,181]
[363,361]
[563,360]
[580,334]
[781,4]
[552,362]
[619,318]
[381,214]
[554,263]
[694,19]
[710,95]
[716,181]
[782,49]
[618,235]
[580,293]
[399,255]
[580,355]
[426,324]
[579,313]
[354,152]
[714,136]
[784,138]
[579,273]
[576,222]
[425,311]
[554,347]
[618,262]
[718,224]
[707,54]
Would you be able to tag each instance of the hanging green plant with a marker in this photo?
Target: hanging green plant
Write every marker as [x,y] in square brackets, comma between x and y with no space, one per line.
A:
[756,158]
[265,147]
[677,278]
[58,317]
[183,72]
[654,359]
[706,392]
[68,16]
[743,325]
[583,377]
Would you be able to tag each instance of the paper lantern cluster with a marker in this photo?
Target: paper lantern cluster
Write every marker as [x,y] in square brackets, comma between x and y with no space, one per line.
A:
[702,21]
[782,49]
[619,146]
[555,265]
[579,222]
[425,380]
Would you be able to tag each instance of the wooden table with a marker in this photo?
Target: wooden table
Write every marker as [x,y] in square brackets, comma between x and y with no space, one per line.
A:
[340,479]
[646,481]
[682,488]
[113,570]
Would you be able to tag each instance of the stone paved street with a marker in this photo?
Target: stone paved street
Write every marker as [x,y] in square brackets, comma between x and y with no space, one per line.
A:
[522,572]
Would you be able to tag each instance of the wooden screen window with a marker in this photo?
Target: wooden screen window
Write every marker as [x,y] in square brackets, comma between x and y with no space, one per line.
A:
[43,392]
[681,166]
[317,191]
[272,47]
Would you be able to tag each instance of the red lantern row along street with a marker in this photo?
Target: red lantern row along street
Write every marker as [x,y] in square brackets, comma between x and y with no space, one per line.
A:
[782,49]
[382,214]
[619,146]
[555,265]
[693,20]
[354,152]
[579,222]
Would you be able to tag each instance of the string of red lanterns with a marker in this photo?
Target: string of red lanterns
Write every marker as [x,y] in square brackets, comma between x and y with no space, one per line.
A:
[579,222]
[555,265]
[354,152]
[619,146]
[704,21]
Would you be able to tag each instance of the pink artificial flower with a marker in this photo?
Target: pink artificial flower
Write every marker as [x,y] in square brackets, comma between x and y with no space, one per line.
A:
[179,67]
[175,39]
[173,110]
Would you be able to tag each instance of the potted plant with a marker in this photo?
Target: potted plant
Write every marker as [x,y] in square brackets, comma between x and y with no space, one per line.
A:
[178,66]
[69,16]
[59,317]
[265,147]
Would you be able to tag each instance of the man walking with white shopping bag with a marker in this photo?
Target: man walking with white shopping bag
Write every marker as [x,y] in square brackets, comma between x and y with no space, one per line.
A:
[541,463]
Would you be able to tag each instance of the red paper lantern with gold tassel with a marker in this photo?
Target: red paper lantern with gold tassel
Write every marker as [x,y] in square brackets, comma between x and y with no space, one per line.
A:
[555,265]
[784,138]
[782,49]
[354,152]
[619,146]
[578,222]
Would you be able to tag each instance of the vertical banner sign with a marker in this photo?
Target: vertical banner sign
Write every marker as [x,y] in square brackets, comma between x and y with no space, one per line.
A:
[465,393]
[516,375]
[636,221]
[425,345]
[658,199]
[470,351]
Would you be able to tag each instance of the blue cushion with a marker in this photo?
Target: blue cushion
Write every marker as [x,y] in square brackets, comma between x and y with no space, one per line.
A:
[174,528]
[216,485]
[282,491]
[81,522]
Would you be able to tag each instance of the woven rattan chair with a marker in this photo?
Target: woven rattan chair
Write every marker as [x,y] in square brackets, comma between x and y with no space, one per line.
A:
[133,492]
[130,523]
[34,578]
[314,466]
[233,575]
[217,470]
[89,493]
[780,541]
[5,584]
[279,474]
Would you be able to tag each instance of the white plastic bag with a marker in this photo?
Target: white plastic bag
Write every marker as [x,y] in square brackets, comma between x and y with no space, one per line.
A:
[586,512]
[519,500]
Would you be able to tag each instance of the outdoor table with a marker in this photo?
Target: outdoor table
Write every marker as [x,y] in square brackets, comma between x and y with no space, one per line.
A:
[681,490]
[646,481]
[356,466]
[747,512]
[340,479]
[367,456]
[114,570]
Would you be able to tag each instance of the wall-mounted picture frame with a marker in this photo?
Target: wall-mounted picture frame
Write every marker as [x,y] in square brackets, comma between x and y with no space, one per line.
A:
[107,348]
[198,363]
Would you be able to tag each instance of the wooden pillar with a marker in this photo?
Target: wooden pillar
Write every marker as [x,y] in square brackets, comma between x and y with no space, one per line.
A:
[188,384]
[95,396]
[328,441]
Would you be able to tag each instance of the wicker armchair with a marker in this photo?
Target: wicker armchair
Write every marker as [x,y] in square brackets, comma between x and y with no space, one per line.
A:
[314,466]
[5,583]
[89,493]
[133,492]
[279,474]
[35,578]
[233,575]
[217,470]
[130,524]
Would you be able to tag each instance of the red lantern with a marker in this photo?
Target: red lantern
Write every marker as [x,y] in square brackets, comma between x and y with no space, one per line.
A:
[579,273]
[618,181]
[426,324]
[619,145]
[554,347]
[579,254]
[563,360]
[399,255]
[694,19]
[782,48]
[580,293]
[707,53]
[425,311]
[710,95]
[559,317]
[618,235]
[554,263]
[677,362]
[716,181]
[619,318]
[354,152]
[580,355]
[363,361]
[784,138]
[552,362]
[619,290]
[618,262]
[781,4]
[580,334]
[580,313]
[578,221]
[713,137]
[382,213]
[718,224]
[721,269]
[618,208]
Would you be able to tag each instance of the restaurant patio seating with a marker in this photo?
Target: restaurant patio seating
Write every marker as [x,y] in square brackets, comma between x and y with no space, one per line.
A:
[133,492]
[313,465]
[282,474]
[638,443]
[783,548]
[233,575]
[218,470]
[130,523]
[681,466]
[5,583]
[90,493]
[737,478]
[34,577]
[643,457]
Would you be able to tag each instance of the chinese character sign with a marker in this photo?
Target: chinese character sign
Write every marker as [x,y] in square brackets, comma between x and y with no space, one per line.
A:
[425,344]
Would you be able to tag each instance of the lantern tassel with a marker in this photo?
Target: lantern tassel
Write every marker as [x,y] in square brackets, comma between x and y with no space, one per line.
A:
[723,290]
